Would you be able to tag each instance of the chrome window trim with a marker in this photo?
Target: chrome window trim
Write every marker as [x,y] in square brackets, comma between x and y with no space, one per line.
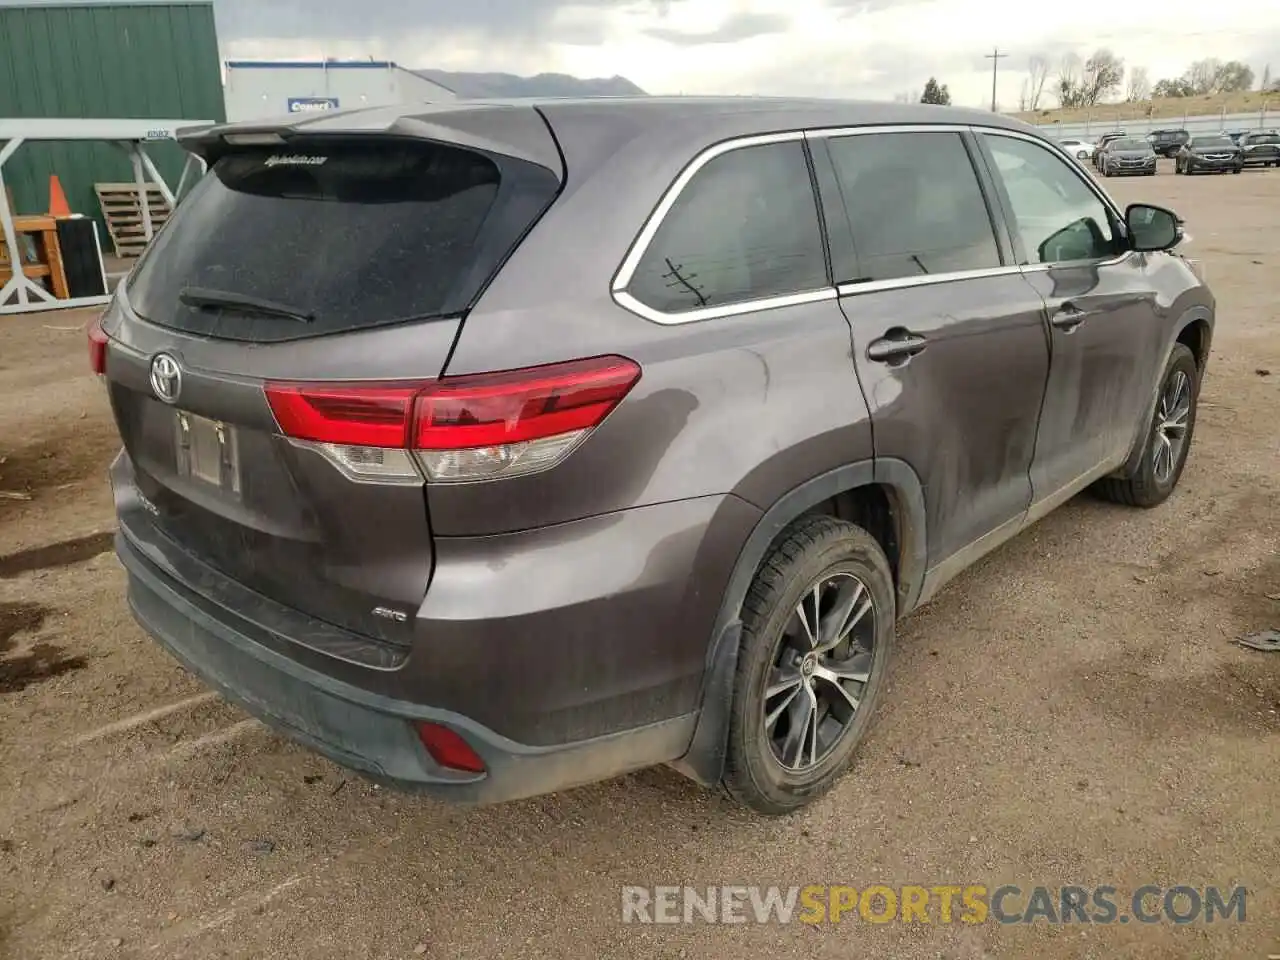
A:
[924,280]
[625,300]
[626,270]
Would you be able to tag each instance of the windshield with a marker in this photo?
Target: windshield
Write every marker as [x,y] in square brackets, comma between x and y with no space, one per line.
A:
[326,237]
[1213,142]
[1130,145]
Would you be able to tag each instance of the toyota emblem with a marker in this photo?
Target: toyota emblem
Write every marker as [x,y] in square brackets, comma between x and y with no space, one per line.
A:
[166,377]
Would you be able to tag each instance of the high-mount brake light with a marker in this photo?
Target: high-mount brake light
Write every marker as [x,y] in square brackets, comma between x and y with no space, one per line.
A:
[459,429]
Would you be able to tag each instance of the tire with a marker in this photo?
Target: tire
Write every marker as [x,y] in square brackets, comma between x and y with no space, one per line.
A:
[1238,170]
[1150,486]
[814,551]
[1082,155]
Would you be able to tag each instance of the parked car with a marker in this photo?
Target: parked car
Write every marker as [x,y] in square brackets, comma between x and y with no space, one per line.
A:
[1260,149]
[1129,155]
[477,491]
[1234,135]
[1101,146]
[1080,149]
[1209,153]
[1167,142]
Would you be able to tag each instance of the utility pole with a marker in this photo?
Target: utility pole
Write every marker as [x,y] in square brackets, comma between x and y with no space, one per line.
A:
[995,56]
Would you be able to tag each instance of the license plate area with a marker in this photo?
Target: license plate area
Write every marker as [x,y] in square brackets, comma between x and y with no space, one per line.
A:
[207,451]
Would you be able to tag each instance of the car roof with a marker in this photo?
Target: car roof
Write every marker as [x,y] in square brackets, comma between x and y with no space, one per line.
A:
[690,123]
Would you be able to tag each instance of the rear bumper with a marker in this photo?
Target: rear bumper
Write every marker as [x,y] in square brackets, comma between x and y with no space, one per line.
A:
[562,656]
[366,732]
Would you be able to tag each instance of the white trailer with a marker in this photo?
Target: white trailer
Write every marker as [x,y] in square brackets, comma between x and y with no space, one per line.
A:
[257,89]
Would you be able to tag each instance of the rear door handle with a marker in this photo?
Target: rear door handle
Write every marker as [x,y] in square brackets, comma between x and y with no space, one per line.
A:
[896,345]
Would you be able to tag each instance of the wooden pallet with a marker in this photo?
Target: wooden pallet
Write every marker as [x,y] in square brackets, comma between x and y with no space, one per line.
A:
[122,208]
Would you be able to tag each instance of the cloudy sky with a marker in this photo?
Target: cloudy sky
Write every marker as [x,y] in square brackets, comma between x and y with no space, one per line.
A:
[846,48]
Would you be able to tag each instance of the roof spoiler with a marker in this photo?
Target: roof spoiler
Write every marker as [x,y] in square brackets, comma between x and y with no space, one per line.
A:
[517,131]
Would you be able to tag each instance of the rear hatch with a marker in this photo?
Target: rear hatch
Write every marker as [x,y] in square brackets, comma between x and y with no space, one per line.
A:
[296,262]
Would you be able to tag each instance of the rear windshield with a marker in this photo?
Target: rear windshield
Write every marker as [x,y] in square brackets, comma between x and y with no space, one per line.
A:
[331,236]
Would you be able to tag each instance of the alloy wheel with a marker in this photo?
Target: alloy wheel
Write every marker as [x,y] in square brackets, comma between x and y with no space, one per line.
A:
[1172,417]
[820,672]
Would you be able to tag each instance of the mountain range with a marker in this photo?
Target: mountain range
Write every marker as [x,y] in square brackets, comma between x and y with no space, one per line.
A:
[495,85]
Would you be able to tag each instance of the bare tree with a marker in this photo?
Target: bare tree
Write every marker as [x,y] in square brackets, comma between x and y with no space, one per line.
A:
[1103,75]
[1202,75]
[1234,77]
[1037,76]
[1139,85]
[1070,82]
[1213,76]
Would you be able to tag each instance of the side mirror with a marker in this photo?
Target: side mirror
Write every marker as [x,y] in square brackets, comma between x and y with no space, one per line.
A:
[1152,228]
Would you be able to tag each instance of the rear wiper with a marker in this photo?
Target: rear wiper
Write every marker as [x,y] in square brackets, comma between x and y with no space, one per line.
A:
[205,299]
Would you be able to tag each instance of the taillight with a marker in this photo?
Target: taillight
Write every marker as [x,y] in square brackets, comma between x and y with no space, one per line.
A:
[459,429]
[97,347]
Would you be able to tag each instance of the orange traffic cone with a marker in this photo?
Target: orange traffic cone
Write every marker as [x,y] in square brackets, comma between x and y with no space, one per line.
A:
[58,206]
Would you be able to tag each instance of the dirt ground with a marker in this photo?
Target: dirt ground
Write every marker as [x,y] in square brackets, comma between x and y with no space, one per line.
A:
[1070,711]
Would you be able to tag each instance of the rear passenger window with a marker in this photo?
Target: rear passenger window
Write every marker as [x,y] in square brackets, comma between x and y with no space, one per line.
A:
[1060,219]
[744,228]
[914,205]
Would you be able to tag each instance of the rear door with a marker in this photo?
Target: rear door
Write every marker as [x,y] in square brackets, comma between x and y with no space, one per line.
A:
[1261,149]
[1103,317]
[949,340]
[289,277]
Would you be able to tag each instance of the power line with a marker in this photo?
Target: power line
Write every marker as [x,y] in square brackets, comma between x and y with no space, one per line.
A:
[995,56]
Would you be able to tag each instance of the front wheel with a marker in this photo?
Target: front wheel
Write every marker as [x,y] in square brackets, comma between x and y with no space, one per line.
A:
[817,628]
[1168,438]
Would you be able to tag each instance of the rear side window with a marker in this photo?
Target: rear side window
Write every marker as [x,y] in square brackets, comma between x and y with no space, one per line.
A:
[744,228]
[914,204]
[341,235]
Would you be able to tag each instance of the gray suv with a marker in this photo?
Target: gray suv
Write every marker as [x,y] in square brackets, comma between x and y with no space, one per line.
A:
[493,448]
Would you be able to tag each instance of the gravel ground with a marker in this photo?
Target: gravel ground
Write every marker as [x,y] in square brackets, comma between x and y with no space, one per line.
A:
[1071,711]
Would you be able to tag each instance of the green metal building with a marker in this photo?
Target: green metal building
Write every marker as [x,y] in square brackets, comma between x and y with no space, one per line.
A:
[134,59]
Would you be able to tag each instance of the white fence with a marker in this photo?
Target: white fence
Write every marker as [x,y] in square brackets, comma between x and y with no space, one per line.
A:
[1268,118]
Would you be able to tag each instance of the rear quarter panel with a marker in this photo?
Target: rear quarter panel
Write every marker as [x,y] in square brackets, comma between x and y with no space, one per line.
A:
[751,405]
